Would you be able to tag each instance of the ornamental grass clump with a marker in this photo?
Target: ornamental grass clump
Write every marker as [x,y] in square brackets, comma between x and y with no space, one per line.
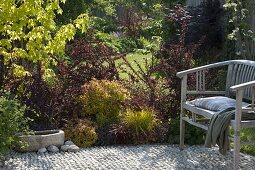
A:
[104,101]
[141,122]
[137,127]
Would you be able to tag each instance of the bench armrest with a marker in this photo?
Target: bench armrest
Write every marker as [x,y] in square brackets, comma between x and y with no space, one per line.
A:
[185,72]
[243,86]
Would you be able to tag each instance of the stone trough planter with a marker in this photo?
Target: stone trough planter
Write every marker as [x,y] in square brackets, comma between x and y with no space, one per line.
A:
[41,139]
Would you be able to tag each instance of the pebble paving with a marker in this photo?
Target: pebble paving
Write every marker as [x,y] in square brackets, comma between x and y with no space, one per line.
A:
[142,157]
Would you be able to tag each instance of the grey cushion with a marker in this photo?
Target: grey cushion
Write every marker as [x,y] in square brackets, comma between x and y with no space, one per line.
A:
[217,103]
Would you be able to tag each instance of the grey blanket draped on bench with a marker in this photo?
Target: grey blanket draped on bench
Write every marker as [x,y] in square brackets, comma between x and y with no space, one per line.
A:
[218,130]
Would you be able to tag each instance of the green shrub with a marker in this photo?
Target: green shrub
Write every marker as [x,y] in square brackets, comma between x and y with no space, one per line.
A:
[144,44]
[247,134]
[103,100]
[141,122]
[103,24]
[193,135]
[12,121]
[110,41]
[128,44]
[81,132]
[119,43]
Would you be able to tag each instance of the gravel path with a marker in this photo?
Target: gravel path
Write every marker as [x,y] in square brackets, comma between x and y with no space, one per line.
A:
[129,157]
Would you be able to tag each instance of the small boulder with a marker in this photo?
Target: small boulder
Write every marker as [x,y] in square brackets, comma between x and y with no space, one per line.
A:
[69,148]
[42,150]
[73,148]
[68,142]
[64,148]
[52,148]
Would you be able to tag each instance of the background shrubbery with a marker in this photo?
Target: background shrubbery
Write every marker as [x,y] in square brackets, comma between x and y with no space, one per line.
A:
[92,87]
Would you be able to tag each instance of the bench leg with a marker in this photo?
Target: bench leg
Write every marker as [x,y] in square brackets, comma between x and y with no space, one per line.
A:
[183,100]
[182,133]
[238,114]
[236,149]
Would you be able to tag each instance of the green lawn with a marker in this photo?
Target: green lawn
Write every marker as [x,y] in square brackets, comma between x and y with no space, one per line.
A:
[131,57]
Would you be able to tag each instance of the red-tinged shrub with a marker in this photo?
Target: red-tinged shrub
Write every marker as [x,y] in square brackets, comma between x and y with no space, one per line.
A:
[51,103]
[176,56]
[158,87]
[48,104]
[142,83]
[90,60]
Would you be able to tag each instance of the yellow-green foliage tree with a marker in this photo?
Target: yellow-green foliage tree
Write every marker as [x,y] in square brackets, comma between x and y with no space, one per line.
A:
[28,32]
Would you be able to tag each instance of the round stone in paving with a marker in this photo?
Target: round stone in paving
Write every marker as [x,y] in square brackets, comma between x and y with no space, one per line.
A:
[145,157]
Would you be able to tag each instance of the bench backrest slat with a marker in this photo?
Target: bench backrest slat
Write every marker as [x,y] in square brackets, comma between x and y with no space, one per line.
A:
[240,71]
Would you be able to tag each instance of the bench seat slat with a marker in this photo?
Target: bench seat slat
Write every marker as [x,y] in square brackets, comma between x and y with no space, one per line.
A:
[206,113]
[244,124]
[194,123]
[206,92]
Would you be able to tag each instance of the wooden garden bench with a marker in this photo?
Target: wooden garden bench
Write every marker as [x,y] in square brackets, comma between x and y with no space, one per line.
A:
[240,85]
